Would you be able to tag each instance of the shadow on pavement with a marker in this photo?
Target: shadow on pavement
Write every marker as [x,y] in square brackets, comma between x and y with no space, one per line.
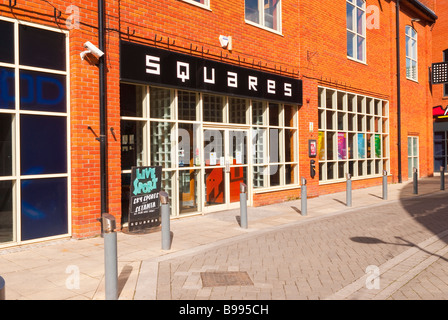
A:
[430,209]
[371,240]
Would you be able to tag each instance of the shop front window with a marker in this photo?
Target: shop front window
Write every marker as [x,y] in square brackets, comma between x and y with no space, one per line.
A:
[353,135]
[34,150]
[206,144]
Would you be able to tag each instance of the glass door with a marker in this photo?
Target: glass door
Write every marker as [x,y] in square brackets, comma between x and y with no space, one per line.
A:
[226,166]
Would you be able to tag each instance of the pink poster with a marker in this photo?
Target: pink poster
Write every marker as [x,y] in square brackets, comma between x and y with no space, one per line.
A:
[342,146]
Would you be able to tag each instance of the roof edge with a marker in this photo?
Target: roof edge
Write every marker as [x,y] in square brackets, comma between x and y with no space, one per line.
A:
[431,14]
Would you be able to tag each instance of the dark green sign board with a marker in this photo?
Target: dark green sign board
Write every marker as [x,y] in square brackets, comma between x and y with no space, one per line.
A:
[144,204]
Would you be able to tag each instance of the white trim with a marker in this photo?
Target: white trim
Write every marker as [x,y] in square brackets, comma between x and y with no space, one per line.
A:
[355,30]
[263,27]
[410,37]
[16,113]
[262,19]
[200,5]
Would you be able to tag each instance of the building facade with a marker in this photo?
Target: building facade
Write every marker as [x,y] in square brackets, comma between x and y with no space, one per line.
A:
[218,93]
[440,91]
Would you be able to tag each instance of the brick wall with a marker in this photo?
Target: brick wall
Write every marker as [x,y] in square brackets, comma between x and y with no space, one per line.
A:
[312,44]
[440,43]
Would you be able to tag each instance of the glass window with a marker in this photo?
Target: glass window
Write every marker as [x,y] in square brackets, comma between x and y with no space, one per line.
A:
[160,103]
[42,91]
[258,145]
[161,143]
[131,100]
[5,145]
[40,144]
[411,53]
[252,12]
[132,136]
[43,144]
[258,109]
[445,85]
[289,145]
[356,29]
[237,110]
[361,135]
[186,105]
[187,144]
[202,3]
[412,155]
[273,114]
[44,208]
[6,212]
[188,191]
[7,41]
[41,48]
[7,88]
[212,108]
[266,13]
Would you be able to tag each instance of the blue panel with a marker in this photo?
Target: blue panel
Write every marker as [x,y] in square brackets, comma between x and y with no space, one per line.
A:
[7,41]
[43,144]
[7,88]
[42,91]
[41,48]
[44,208]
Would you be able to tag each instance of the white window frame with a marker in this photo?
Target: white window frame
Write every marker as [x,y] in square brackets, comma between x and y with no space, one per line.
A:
[353,115]
[16,176]
[413,155]
[262,20]
[411,56]
[354,31]
[445,85]
[264,163]
[205,5]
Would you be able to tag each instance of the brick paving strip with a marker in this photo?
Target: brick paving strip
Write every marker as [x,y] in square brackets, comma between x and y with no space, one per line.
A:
[397,272]
[177,275]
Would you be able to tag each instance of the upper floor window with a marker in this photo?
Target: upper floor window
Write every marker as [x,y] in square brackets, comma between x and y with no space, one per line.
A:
[266,13]
[356,29]
[200,3]
[445,85]
[411,54]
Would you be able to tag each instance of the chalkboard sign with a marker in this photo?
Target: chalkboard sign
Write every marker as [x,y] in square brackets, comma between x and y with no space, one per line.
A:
[144,204]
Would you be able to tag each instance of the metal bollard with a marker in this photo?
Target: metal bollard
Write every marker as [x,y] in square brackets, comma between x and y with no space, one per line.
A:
[384,185]
[442,178]
[303,197]
[415,177]
[243,205]
[165,212]
[349,190]
[2,289]
[110,256]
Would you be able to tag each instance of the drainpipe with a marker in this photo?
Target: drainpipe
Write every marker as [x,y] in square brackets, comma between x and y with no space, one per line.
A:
[397,27]
[102,98]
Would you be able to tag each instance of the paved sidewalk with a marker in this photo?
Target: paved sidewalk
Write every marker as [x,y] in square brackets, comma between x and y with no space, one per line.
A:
[74,269]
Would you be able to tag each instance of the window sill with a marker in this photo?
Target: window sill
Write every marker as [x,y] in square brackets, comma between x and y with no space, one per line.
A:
[413,80]
[353,179]
[197,4]
[276,188]
[356,60]
[263,27]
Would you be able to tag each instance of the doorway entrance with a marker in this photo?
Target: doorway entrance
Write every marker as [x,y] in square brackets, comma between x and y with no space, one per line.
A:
[226,159]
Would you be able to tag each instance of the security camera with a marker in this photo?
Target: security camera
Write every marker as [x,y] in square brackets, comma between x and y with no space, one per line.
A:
[92,49]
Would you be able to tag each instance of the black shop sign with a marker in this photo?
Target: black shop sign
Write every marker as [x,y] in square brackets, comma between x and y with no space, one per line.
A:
[149,65]
[144,204]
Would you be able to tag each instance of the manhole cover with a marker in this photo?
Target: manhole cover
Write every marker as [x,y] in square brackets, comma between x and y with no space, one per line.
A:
[230,278]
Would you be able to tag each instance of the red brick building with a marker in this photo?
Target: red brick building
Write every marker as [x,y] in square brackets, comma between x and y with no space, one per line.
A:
[440,91]
[216,92]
